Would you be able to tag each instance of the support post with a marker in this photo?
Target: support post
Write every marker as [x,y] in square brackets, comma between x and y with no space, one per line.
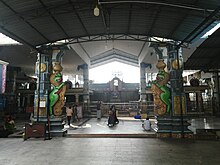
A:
[179,118]
[43,85]
[143,83]
[86,82]
[216,93]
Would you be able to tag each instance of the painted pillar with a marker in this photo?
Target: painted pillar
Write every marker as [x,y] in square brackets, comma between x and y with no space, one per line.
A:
[143,82]
[170,109]
[176,80]
[43,101]
[43,86]
[57,55]
[178,111]
[3,69]
[57,94]
[216,93]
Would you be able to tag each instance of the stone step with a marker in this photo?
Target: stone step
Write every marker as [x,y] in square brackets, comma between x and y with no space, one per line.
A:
[151,135]
[57,133]
[207,134]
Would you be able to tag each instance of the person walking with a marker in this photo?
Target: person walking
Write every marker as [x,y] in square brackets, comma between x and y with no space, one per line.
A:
[69,114]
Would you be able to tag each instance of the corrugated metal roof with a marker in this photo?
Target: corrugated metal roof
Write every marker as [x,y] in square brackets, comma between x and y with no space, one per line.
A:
[207,55]
[36,22]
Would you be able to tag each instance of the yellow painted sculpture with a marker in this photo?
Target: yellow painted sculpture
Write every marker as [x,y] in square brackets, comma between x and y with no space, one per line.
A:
[57,95]
[160,91]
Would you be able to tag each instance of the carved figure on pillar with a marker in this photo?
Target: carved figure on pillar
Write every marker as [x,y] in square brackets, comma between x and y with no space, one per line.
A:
[160,90]
[58,92]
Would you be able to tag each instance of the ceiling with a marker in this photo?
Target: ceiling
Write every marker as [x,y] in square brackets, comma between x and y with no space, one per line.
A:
[121,32]
[37,22]
[207,53]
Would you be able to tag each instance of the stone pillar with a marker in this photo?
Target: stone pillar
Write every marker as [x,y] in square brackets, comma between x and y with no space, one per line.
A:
[143,86]
[142,82]
[77,98]
[86,100]
[86,83]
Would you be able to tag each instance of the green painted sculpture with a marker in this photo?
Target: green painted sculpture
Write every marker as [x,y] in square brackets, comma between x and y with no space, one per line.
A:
[160,90]
[57,94]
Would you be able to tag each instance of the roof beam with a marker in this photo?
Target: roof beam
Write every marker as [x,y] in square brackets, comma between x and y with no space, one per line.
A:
[106,24]
[23,19]
[84,50]
[79,18]
[155,3]
[105,37]
[54,19]
[115,54]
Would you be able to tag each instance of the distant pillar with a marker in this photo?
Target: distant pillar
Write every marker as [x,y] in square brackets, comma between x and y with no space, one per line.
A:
[77,98]
[143,82]
[86,83]
[143,87]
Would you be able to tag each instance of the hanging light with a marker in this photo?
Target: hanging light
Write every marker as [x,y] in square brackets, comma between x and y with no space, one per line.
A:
[96,11]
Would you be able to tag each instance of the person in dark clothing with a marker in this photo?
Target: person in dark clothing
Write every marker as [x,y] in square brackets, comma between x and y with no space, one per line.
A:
[9,124]
[69,114]
[112,119]
[99,114]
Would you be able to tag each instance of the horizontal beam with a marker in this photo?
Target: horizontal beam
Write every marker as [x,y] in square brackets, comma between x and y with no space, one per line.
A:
[105,37]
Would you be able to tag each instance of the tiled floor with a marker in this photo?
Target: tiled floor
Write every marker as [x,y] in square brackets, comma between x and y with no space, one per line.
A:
[108,151]
[128,125]
[206,123]
[99,126]
[112,151]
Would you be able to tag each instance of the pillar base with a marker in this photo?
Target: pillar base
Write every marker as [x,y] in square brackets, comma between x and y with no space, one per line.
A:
[175,135]
[173,127]
[56,126]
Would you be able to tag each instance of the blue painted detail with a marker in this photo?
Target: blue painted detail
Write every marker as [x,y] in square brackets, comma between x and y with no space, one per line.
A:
[146,65]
